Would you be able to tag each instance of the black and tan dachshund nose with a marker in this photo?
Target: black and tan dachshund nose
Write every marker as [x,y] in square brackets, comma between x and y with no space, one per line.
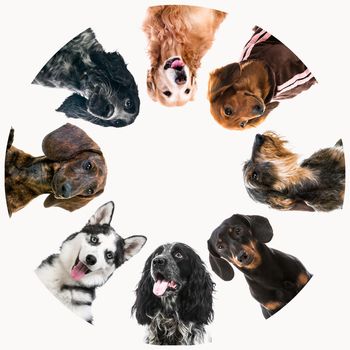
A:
[159,262]
[242,257]
[90,260]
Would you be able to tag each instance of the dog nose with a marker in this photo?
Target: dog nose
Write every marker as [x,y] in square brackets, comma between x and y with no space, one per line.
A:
[242,257]
[90,260]
[119,123]
[180,79]
[259,139]
[159,262]
[258,110]
[66,190]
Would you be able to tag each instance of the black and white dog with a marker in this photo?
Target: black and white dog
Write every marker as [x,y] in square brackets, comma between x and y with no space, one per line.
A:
[86,261]
[105,91]
[174,296]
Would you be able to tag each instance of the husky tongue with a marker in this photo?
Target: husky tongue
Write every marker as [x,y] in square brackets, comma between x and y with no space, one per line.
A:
[78,271]
[160,287]
[177,63]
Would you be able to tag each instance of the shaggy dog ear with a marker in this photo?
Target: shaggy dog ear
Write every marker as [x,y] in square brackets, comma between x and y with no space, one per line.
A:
[196,298]
[75,106]
[146,304]
[66,141]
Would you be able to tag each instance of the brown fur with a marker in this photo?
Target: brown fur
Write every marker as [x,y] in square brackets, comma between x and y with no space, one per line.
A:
[176,30]
[66,149]
[252,251]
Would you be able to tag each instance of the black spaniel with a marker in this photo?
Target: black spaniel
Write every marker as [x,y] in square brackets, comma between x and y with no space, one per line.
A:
[105,92]
[174,296]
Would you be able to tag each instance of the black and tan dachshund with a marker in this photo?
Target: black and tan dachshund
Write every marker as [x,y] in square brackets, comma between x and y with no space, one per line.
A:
[274,278]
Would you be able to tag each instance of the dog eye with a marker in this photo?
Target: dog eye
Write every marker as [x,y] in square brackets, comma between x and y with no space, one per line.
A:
[187,91]
[255,176]
[220,246]
[94,239]
[109,255]
[178,255]
[87,165]
[243,124]
[228,111]
[128,103]
[167,93]
[90,191]
[237,230]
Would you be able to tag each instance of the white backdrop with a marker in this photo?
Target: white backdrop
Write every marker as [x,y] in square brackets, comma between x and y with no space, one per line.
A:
[174,175]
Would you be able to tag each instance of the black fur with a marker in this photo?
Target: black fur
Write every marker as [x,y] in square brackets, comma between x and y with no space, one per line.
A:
[105,91]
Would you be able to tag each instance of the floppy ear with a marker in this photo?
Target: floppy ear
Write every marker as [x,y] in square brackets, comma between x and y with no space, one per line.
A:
[151,87]
[69,204]
[103,215]
[260,227]
[220,266]
[75,106]
[132,245]
[221,79]
[66,141]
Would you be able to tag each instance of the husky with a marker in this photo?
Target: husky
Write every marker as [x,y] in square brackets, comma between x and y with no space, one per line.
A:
[87,259]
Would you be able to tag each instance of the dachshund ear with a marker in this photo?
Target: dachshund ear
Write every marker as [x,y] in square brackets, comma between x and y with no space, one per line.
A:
[70,204]
[260,227]
[103,215]
[220,266]
[151,87]
[66,141]
[132,245]
[221,79]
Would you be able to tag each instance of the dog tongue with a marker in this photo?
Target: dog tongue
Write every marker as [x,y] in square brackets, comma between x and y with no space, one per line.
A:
[177,63]
[160,287]
[78,271]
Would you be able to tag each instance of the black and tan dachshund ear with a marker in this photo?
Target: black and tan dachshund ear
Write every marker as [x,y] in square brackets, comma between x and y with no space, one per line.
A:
[66,141]
[69,204]
[260,227]
[221,79]
[220,266]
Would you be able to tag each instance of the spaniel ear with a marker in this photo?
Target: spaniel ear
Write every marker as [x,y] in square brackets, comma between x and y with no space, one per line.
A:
[220,266]
[69,204]
[66,141]
[103,215]
[221,79]
[260,227]
[151,86]
[132,245]
[75,106]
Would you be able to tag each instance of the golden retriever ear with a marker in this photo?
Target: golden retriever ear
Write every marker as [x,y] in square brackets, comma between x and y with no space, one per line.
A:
[64,142]
[151,86]
[69,204]
[221,79]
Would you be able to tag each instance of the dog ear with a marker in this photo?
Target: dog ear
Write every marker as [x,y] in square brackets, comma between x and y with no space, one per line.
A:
[66,141]
[151,86]
[132,245]
[260,227]
[269,107]
[221,79]
[220,266]
[69,204]
[103,215]
[75,106]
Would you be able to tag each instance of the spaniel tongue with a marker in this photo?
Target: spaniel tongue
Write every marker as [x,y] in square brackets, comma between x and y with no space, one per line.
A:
[177,63]
[78,271]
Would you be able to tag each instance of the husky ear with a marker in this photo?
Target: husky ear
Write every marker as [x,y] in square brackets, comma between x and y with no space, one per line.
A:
[103,215]
[132,245]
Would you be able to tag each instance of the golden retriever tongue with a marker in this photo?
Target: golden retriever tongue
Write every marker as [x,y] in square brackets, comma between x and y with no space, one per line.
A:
[177,63]
[78,271]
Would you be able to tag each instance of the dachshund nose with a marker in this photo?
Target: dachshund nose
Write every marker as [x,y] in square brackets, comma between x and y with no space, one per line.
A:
[258,110]
[66,190]
[90,260]
[242,257]
[159,262]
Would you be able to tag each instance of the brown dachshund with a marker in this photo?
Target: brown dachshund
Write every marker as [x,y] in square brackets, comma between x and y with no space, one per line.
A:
[242,94]
[179,36]
[73,171]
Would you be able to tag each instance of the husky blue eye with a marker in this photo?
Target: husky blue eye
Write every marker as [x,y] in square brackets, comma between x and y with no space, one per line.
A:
[109,255]
[94,239]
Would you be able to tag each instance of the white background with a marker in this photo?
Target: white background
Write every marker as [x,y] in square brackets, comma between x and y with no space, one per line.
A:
[174,175]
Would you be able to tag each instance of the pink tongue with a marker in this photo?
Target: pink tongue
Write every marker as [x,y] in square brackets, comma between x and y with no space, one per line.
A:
[78,271]
[160,287]
[177,63]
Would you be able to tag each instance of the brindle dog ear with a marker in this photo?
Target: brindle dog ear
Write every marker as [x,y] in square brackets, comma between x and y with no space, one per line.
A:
[69,204]
[221,79]
[260,227]
[66,141]
[220,266]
